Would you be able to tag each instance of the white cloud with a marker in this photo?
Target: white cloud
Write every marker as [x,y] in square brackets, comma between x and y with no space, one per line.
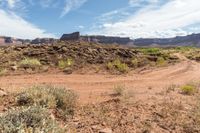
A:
[166,21]
[11,3]
[141,2]
[13,25]
[72,5]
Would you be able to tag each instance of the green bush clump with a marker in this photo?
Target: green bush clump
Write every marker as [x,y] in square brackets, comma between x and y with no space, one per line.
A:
[161,61]
[65,63]
[118,65]
[188,89]
[49,97]
[33,119]
[28,62]
[151,50]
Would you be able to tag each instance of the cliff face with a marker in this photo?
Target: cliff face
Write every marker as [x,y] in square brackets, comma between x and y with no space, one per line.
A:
[107,39]
[190,40]
[9,40]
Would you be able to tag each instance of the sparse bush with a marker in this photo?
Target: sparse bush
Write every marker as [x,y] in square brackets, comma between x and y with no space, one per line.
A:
[188,89]
[118,90]
[32,119]
[160,61]
[151,50]
[110,66]
[118,65]
[2,71]
[31,63]
[49,97]
[134,62]
[65,63]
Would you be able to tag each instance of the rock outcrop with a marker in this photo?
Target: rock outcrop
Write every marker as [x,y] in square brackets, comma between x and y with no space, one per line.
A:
[70,37]
[43,41]
[107,39]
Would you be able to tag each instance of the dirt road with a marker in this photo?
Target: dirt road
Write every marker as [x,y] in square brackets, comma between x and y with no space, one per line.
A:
[91,87]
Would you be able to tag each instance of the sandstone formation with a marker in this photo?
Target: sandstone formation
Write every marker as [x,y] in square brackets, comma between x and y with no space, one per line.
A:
[70,37]
[190,40]
[43,41]
[107,39]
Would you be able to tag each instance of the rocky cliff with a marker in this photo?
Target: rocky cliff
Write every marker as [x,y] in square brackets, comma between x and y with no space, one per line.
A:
[190,40]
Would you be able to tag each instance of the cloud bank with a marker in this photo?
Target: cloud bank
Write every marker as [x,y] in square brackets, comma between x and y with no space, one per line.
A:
[13,25]
[72,5]
[168,20]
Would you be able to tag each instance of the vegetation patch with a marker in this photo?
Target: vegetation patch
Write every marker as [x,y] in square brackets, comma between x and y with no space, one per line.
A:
[161,61]
[118,90]
[188,89]
[49,97]
[3,71]
[32,119]
[62,64]
[118,65]
[30,63]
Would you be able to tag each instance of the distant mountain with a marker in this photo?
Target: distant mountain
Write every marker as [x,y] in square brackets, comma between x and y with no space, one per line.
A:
[189,40]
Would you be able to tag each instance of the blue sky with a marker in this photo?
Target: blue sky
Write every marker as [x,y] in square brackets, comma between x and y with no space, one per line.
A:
[132,18]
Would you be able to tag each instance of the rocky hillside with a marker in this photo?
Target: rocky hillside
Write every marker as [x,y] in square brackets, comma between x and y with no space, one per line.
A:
[76,55]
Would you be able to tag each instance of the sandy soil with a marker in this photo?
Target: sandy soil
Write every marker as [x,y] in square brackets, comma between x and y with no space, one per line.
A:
[93,87]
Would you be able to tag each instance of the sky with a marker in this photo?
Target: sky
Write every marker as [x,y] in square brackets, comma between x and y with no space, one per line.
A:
[29,19]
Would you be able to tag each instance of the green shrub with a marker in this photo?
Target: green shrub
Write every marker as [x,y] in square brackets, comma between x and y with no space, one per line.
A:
[160,61]
[28,62]
[188,89]
[118,65]
[151,50]
[49,97]
[65,63]
[135,62]
[32,119]
[110,66]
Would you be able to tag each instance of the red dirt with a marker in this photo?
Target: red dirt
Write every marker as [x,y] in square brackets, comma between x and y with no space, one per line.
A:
[92,87]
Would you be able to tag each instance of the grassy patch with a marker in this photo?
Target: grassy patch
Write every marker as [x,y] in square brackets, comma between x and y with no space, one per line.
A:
[65,63]
[118,65]
[31,63]
[188,89]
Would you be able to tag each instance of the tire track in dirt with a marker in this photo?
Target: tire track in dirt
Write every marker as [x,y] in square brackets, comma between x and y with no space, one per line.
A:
[91,87]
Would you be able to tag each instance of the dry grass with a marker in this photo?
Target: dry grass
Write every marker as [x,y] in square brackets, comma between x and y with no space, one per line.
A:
[49,97]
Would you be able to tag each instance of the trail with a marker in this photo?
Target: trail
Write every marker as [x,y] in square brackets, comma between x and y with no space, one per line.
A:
[92,87]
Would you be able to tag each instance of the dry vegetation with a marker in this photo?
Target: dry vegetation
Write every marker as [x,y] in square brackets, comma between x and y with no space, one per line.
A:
[53,109]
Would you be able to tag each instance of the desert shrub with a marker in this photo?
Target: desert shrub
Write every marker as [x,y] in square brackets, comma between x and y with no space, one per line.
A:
[188,89]
[2,71]
[49,97]
[160,61]
[134,62]
[151,50]
[28,119]
[28,62]
[65,63]
[118,65]
[110,66]
[118,90]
